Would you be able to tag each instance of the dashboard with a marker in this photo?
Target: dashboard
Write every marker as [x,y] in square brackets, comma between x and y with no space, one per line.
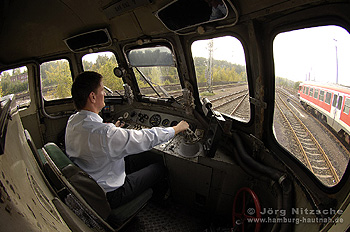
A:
[151,119]
[187,144]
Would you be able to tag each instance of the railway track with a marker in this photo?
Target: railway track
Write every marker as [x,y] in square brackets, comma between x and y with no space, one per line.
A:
[175,92]
[307,149]
[234,104]
[324,127]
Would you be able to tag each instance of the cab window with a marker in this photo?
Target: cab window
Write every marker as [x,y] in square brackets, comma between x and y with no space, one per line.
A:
[15,81]
[221,75]
[104,63]
[155,71]
[311,55]
[56,79]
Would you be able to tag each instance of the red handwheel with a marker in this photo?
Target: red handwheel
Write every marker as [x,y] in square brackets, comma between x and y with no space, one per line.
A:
[246,212]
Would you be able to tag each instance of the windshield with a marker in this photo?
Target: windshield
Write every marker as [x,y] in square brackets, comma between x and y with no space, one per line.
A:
[155,72]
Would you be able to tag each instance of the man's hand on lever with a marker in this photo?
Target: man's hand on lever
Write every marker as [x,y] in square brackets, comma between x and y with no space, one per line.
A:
[181,126]
[120,122]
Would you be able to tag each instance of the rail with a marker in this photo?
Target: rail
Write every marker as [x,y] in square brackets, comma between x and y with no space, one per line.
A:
[307,148]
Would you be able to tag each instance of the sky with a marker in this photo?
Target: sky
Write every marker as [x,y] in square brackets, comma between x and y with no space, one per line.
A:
[313,53]
[307,53]
[225,48]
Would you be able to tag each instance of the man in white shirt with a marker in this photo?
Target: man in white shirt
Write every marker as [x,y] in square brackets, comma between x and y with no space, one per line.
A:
[99,148]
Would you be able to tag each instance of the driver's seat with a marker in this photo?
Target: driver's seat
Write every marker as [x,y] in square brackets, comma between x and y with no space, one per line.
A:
[81,193]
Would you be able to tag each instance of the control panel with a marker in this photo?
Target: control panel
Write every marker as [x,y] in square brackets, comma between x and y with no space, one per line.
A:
[186,144]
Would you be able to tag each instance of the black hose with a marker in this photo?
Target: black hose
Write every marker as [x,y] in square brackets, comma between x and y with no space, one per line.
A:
[273,174]
[286,187]
[248,170]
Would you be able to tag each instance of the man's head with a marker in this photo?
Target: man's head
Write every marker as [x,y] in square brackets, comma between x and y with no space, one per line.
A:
[88,92]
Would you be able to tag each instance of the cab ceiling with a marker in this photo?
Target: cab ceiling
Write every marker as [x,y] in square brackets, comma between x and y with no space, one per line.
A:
[37,28]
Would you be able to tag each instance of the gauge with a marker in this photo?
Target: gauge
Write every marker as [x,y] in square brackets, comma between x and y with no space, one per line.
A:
[166,122]
[125,115]
[142,117]
[173,123]
[155,120]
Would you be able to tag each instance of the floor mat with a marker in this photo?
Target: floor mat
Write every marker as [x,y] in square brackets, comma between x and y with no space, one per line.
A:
[173,217]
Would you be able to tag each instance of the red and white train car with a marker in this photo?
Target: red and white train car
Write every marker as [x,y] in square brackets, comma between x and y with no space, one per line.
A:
[330,103]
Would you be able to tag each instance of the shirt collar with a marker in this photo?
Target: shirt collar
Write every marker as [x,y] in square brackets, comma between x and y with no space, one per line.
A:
[91,114]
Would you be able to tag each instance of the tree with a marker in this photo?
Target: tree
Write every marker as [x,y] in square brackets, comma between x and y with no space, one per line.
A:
[59,71]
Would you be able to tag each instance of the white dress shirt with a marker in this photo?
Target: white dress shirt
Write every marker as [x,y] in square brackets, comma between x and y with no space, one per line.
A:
[99,148]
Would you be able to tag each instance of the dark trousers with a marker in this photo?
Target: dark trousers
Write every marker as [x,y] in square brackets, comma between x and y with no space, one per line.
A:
[141,174]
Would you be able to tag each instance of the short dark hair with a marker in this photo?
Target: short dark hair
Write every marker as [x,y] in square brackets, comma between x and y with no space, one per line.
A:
[83,85]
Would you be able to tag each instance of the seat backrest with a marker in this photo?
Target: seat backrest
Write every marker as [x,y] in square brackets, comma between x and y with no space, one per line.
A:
[84,184]
[92,193]
[39,156]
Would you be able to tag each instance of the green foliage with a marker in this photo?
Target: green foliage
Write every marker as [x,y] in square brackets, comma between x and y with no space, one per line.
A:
[296,85]
[105,65]
[286,83]
[205,94]
[223,71]
[15,86]
[57,75]
[57,78]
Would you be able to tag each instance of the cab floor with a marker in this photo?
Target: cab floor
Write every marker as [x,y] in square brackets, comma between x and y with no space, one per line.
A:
[172,217]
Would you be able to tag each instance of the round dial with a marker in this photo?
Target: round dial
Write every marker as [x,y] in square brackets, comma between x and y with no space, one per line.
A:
[166,122]
[155,120]
[173,123]
[125,115]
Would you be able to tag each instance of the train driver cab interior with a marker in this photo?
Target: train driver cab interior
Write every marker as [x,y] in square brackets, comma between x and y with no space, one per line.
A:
[263,86]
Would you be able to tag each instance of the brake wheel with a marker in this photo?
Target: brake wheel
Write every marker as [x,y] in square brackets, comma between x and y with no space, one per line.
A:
[246,212]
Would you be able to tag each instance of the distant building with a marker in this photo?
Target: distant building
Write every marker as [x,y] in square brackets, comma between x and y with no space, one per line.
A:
[22,77]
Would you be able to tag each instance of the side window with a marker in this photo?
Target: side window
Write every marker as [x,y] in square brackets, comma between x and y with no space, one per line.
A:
[347,106]
[335,98]
[318,53]
[340,102]
[15,81]
[221,75]
[321,95]
[311,92]
[328,98]
[104,63]
[56,79]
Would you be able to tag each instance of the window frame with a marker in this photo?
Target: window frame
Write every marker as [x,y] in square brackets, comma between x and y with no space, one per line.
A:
[251,109]
[49,102]
[27,104]
[312,178]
